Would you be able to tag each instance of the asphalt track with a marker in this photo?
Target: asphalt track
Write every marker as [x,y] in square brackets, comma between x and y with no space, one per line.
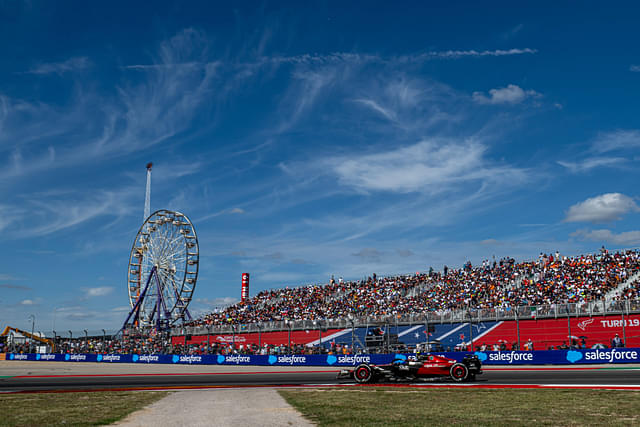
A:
[32,377]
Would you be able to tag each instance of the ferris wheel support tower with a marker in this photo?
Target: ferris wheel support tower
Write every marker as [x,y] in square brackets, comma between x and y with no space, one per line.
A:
[147,194]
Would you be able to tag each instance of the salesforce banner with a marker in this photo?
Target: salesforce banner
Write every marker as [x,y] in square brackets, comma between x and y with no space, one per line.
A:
[552,357]
[556,357]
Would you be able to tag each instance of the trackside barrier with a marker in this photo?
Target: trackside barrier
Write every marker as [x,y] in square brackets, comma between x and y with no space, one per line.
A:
[547,357]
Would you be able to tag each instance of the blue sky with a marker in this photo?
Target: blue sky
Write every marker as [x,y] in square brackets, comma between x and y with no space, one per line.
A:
[306,140]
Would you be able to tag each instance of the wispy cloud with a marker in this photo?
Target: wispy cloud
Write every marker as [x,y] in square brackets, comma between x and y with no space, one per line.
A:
[146,112]
[604,208]
[53,212]
[623,139]
[430,166]
[416,57]
[390,115]
[371,254]
[455,54]
[99,291]
[592,163]
[70,65]
[634,68]
[512,94]
[17,287]
[604,235]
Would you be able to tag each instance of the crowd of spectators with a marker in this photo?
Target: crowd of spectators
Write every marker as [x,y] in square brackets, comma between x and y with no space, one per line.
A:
[505,283]
[551,279]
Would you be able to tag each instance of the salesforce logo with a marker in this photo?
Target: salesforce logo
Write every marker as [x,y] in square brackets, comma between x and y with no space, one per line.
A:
[135,358]
[573,356]
[481,355]
[37,357]
[353,360]
[272,360]
[331,359]
[11,356]
[99,358]
[175,358]
[67,357]
[610,356]
[221,359]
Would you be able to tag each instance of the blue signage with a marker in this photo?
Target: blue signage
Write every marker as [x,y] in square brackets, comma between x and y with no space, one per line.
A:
[547,357]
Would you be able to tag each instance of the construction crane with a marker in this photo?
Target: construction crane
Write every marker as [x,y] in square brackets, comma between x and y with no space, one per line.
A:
[46,341]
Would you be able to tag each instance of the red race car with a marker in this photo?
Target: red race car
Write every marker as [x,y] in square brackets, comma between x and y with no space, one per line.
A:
[419,367]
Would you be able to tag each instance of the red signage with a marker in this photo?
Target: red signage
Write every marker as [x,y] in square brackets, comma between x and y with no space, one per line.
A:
[244,294]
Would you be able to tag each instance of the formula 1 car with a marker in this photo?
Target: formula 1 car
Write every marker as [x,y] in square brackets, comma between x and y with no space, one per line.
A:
[416,368]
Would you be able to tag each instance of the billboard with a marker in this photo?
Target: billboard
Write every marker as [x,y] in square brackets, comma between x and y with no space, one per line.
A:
[244,293]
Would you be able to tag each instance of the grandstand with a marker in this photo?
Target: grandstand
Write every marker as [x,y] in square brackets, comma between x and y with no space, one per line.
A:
[548,288]
[495,287]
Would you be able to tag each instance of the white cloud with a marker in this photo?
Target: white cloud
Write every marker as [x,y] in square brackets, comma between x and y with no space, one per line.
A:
[309,85]
[480,53]
[625,238]
[591,163]
[54,211]
[604,208]
[341,57]
[236,211]
[155,106]
[616,140]
[634,68]
[72,64]
[98,291]
[430,166]
[512,94]
[390,115]
[217,302]
[27,302]
[368,253]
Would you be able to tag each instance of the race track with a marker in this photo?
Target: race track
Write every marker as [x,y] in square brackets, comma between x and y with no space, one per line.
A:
[35,376]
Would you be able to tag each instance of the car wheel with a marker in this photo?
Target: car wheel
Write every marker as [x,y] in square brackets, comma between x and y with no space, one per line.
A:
[363,373]
[459,372]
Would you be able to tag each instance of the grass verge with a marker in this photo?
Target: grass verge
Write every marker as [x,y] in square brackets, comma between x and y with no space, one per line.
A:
[374,406]
[72,409]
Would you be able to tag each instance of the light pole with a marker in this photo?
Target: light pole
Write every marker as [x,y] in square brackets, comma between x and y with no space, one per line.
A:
[233,342]
[426,330]
[259,325]
[515,312]
[352,333]
[470,330]
[288,323]
[208,338]
[86,341]
[70,338]
[624,331]
[569,325]
[104,340]
[319,325]
[33,322]
[55,339]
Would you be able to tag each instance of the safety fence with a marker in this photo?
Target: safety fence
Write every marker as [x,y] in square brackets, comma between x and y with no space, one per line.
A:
[546,357]
[473,315]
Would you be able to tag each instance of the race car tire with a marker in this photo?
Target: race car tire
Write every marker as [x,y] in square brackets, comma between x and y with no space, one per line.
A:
[363,373]
[459,372]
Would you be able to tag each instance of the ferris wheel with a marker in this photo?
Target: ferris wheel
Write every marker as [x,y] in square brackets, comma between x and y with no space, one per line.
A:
[163,270]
